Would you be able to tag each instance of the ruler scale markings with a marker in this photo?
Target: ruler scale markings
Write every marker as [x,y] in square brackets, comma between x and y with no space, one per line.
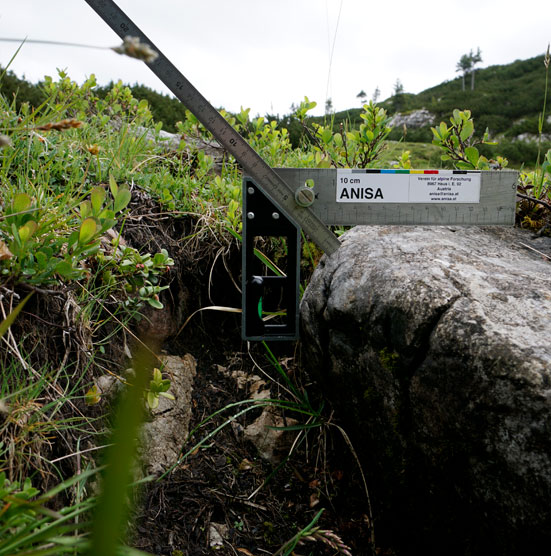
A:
[253,165]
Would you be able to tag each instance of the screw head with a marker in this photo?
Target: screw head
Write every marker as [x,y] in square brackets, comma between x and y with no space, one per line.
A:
[305,196]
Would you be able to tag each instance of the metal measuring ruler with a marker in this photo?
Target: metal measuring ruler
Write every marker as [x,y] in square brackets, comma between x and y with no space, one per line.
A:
[281,202]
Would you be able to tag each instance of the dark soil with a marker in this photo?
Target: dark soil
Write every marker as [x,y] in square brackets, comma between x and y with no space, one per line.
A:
[226,482]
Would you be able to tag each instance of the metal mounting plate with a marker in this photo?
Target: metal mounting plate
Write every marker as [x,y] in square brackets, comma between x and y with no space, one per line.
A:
[495,206]
[270,296]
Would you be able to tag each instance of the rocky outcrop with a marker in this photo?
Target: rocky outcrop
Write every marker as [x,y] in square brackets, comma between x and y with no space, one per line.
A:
[414,119]
[433,344]
[532,137]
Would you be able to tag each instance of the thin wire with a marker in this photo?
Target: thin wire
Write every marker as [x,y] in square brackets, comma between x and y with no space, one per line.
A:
[328,31]
[328,48]
[56,43]
[332,48]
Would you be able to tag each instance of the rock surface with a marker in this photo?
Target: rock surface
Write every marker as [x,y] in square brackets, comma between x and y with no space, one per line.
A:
[414,119]
[165,433]
[433,344]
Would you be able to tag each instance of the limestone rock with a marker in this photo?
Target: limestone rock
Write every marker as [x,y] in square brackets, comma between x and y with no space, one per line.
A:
[267,434]
[527,137]
[433,344]
[166,431]
[218,533]
[414,119]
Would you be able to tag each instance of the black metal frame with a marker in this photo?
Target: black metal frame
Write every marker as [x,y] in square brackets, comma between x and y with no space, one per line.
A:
[263,218]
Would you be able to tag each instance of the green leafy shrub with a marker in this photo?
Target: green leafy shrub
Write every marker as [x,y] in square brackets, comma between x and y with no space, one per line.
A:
[349,147]
[459,145]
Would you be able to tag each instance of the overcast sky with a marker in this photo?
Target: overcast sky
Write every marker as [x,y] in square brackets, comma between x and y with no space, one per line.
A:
[268,54]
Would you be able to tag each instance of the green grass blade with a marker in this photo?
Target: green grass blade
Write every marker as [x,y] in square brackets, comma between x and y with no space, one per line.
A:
[112,508]
[8,321]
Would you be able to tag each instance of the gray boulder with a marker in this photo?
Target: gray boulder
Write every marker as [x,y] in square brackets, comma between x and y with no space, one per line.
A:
[433,345]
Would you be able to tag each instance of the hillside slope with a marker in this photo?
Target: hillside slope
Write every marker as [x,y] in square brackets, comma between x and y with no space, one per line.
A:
[507,99]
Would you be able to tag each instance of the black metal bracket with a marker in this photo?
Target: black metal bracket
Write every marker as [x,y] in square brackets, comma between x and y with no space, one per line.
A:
[270,295]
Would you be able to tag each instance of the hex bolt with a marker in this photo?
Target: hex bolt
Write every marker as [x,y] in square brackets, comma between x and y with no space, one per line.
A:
[250,215]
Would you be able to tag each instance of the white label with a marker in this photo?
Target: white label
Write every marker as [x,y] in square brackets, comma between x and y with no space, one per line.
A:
[444,188]
[371,188]
[441,187]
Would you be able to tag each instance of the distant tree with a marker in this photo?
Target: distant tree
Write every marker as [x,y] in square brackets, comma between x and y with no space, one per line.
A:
[464,65]
[328,106]
[376,94]
[164,108]
[20,90]
[398,95]
[361,95]
[475,59]
[398,87]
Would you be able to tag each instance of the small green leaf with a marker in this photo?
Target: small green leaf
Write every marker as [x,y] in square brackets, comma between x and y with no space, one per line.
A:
[92,249]
[326,136]
[108,214]
[157,375]
[113,185]
[85,209]
[88,230]
[159,258]
[472,155]
[164,385]
[41,259]
[482,163]
[66,270]
[122,198]
[26,231]
[107,224]
[73,238]
[93,396]
[155,303]
[97,196]
[21,202]
[467,131]
[152,400]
